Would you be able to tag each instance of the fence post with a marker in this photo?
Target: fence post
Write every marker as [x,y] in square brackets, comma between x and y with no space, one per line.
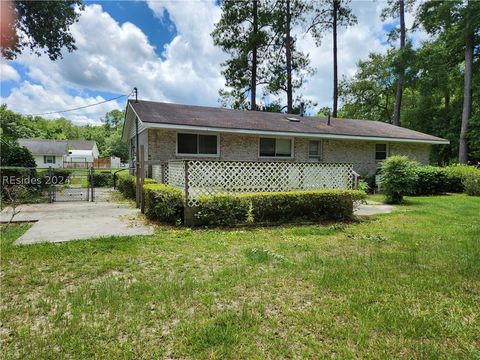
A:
[50,194]
[142,177]
[187,211]
[92,185]
[137,179]
[89,184]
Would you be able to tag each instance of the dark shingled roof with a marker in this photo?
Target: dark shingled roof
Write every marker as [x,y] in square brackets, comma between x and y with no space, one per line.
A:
[175,114]
[44,147]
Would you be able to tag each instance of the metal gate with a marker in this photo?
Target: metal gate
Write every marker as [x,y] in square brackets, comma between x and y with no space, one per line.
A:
[70,185]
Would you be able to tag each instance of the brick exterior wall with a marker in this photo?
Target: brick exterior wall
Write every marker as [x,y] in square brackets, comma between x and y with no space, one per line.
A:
[161,146]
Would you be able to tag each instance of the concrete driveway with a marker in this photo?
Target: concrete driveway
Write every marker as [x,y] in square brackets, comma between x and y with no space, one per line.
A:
[65,221]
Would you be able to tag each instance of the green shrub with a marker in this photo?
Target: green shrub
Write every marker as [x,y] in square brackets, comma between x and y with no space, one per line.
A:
[472,184]
[457,175]
[398,178]
[163,202]
[431,180]
[18,177]
[278,206]
[364,186]
[304,205]
[102,179]
[126,184]
[223,210]
[59,176]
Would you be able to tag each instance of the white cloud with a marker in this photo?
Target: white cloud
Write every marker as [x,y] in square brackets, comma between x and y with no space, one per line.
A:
[8,73]
[113,57]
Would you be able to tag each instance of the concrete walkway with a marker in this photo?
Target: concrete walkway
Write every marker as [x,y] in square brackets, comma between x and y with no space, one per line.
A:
[66,221]
[373,208]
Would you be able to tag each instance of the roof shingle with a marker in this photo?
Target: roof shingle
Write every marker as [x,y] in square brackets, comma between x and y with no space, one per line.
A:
[190,115]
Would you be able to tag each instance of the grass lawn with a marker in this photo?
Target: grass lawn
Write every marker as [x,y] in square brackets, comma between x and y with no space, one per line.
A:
[405,285]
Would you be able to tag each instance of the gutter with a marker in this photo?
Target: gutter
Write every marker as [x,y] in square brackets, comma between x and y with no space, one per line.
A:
[290,134]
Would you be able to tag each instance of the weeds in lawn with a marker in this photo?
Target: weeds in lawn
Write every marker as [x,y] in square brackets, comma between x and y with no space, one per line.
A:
[258,255]
[403,286]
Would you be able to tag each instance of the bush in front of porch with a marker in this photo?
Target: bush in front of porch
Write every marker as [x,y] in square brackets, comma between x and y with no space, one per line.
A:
[275,207]
[164,203]
[126,184]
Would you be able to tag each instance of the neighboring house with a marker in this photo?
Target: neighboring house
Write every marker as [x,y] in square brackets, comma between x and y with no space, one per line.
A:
[172,131]
[60,153]
[85,151]
[47,153]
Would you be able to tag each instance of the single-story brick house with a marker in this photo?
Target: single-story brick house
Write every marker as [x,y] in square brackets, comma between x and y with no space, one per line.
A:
[172,131]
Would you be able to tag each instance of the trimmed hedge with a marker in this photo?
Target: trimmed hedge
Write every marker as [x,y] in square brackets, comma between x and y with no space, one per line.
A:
[425,179]
[163,203]
[457,176]
[434,180]
[472,184]
[431,180]
[227,210]
[126,184]
[223,210]
[102,179]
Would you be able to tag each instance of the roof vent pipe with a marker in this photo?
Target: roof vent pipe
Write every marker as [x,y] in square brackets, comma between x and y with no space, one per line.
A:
[302,108]
[328,119]
[135,90]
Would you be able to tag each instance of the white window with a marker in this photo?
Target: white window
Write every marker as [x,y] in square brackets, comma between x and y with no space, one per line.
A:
[49,159]
[197,144]
[314,149]
[275,147]
[380,152]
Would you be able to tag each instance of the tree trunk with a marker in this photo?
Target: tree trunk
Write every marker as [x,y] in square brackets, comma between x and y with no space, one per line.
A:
[288,52]
[467,97]
[253,86]
[335,65]
[398,98]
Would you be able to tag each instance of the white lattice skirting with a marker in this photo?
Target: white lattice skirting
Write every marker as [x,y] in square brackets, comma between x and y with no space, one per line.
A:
[233,177]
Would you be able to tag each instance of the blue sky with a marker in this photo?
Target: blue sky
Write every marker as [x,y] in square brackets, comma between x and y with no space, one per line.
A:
[165,49]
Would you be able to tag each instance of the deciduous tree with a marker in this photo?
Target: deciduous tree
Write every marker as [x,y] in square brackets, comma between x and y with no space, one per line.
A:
[41,26]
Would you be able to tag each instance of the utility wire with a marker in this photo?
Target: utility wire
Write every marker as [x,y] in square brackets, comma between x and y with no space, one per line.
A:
[80,107]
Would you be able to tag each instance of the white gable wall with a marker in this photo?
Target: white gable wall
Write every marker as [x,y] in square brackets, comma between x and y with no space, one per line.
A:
[39,160]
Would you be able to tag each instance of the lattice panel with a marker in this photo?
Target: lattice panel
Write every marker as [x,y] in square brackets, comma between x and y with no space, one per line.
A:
[175,174]
[230,177]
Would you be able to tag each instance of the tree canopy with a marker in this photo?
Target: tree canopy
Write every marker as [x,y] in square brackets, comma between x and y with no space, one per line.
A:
[41,26]
[107,135]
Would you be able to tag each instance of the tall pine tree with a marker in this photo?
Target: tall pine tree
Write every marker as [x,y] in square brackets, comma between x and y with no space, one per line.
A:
[328,17]
[286,66]
[242,33]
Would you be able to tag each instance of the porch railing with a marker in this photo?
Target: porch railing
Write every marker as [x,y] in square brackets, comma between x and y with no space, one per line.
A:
[205,177]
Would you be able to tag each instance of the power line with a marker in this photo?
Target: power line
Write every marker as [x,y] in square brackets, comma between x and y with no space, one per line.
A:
[80,107]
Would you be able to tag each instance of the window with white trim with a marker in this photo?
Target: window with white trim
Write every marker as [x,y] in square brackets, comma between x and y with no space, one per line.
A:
[275,147]
[314,150]
[49,159]
[197,144]
[381,151]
